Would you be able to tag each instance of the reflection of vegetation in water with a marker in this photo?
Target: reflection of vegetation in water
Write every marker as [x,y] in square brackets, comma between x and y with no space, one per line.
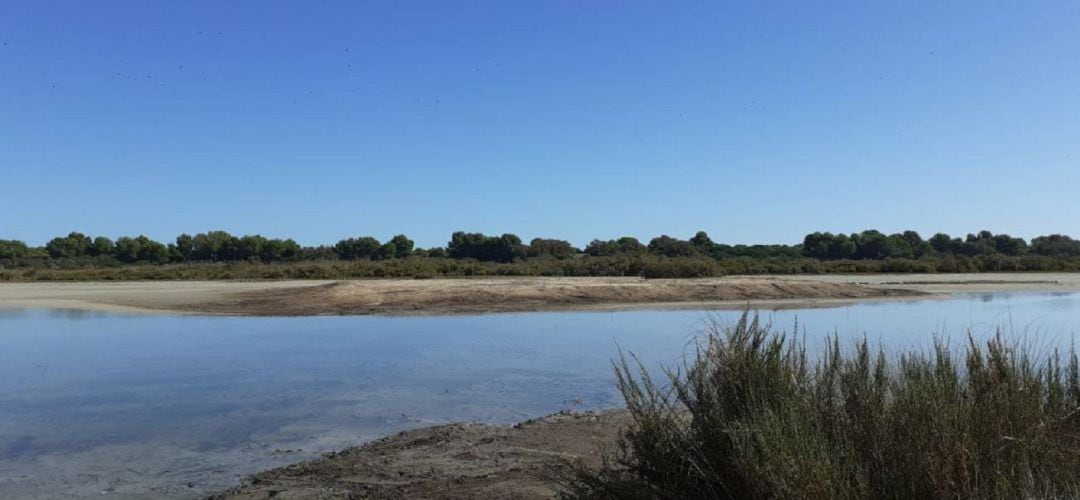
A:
[751,416]
[220,255]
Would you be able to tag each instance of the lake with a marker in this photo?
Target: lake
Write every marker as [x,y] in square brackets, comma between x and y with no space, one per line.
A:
[96,404]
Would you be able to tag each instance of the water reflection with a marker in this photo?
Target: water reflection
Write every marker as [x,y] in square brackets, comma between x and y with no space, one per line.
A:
[58,313]
[75,314]
[12,312]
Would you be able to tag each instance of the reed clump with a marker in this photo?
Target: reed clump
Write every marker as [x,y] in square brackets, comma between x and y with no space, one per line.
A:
[750,414]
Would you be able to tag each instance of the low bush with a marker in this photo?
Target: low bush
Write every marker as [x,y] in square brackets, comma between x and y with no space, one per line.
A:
[639,265]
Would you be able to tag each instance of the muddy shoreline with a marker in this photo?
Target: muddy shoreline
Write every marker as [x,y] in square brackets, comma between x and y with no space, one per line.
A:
[493,295]
[455,461]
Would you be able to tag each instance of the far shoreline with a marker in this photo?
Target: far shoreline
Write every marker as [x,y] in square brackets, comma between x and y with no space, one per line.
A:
[470,296]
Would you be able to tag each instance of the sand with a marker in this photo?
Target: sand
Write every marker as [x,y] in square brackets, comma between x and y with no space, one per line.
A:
[958,283]
[487,295]
[132,296]
[456,461]
[411,297]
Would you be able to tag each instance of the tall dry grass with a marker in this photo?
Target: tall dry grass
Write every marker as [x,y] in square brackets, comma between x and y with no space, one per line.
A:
[752,415]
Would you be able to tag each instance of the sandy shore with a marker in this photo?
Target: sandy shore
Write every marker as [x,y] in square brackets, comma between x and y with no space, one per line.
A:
[436,296]
[959,283]
[133,296]
[470,296]
[459,461]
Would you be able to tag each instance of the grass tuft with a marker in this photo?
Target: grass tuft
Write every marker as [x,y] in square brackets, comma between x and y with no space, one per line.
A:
[751,415]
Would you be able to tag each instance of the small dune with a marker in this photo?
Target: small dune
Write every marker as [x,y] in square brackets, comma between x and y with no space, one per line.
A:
[455,296]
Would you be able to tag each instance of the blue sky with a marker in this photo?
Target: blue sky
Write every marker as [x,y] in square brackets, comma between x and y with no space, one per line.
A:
[755,121]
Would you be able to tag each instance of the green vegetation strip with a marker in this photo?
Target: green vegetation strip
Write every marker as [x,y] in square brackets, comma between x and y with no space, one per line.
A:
[220,255]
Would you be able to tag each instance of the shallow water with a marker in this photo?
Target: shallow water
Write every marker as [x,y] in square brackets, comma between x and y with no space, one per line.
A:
[98,404]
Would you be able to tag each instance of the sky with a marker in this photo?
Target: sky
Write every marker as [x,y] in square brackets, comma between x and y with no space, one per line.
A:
[755,121]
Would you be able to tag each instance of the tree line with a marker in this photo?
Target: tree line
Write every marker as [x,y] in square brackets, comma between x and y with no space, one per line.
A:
[221,246]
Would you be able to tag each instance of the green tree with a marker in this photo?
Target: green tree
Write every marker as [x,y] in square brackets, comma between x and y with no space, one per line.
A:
[278,250]
[1055,245]
[870,244]
[102,246]
[943,243]
[403,246]
[547,247]
[214,246]
[671,247]
[817,245]
[624,245]
[478,246]
[841,247]
[151,251]
[702,242]
[919,246]
[127,249]
[364,247]
[13,249]
[73,245]
[979,244]
[509,247]
[185,247]
[250,247]
[437,253]
[898,247]
[1007,245]
[387,251]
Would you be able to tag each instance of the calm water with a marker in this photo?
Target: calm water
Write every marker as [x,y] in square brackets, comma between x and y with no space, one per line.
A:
[133,406]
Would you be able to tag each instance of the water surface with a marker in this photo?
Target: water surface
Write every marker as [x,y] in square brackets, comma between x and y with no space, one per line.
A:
[96,404]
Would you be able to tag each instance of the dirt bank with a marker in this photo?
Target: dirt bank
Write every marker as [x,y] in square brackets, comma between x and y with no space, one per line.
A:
[460,461]
[456,296]
[409,297]
[441,296]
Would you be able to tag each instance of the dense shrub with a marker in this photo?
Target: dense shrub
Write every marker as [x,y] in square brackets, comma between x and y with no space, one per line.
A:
[679,268]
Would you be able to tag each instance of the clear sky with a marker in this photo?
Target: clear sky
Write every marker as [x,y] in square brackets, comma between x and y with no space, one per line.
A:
[756,121]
